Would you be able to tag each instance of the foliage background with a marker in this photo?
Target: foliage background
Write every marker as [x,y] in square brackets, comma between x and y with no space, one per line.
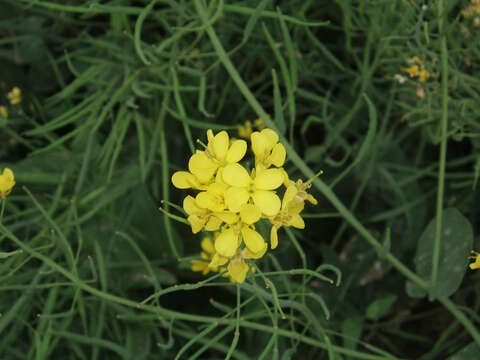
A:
[115,94]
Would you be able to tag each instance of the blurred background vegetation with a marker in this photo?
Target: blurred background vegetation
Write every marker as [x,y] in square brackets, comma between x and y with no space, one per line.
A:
[382,95]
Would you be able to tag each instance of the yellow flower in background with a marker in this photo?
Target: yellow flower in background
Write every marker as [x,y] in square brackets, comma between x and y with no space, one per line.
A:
[475,265]
[15,96]
[7,182]
[4,111]
[417,69]
[412,70]
[244,131]
[259,124]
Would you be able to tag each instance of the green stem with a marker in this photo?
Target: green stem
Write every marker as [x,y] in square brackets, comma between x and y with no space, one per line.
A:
[163,312]
[443,147]
[166,177]
[236,334]
[467,324]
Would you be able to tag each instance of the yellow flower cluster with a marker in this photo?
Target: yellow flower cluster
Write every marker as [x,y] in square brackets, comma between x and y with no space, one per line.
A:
[417,69]
[7,182]
[472,10]
[231,200]
[476,264]
[245,130]
[15,97]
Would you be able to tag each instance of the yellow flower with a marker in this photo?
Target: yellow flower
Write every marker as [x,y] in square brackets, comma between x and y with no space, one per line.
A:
[231,237]
[423,75]
[213,198]
[267,150]
[202,168]
[237,270]
[220,149]
[289,214]
[475,265]
[258,187]
[4,111]
[207,254]
[7,182]
[293,203]
[259,124]
[15,96]
[200,218]
[412,70]
[245,130]
[415,60]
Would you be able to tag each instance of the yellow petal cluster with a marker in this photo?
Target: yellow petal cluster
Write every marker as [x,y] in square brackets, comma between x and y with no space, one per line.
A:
[417,69]
[15,96]
[233,198]
[7,182]
[3,111]
[476,264]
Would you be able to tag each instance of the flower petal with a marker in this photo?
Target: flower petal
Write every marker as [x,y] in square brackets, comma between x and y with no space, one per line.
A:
[228,217]
[250,214]
[251,255]
[236,175]
[199,265]
[289,195]
[190,206]
[236,197]
[237,270]
[273,237]
[252,239]
[183,180]
[278,155]
[196,222]
[220,145]
[296,221]
[269,179]
[202,166]
[267,201]
[213,224]
[271,138]
[226,243]
[217,261]
[207,200]
[259,144]
[237,151]
[207,245]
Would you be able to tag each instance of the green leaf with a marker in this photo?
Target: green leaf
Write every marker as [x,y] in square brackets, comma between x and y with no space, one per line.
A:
[277,101]
[252,21]
[380,307]
[469,352]
[4,255]
[456,242]
[352,329]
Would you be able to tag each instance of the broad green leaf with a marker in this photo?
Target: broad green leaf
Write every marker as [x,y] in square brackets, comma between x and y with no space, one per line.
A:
[352,329]
[380,307]
[469,352]
[456,243]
